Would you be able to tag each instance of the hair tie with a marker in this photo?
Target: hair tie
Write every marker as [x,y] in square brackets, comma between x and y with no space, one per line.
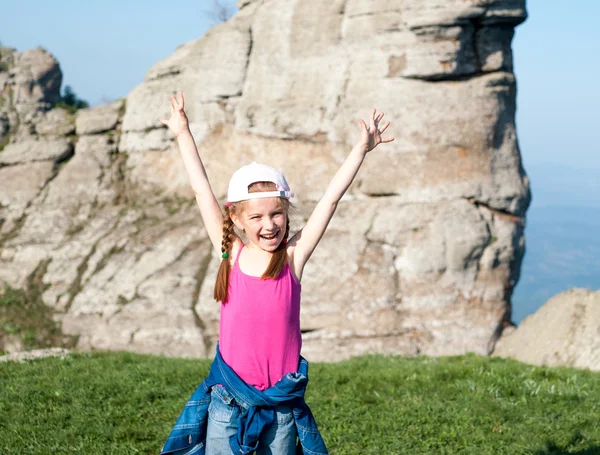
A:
[228,204]
[225,255]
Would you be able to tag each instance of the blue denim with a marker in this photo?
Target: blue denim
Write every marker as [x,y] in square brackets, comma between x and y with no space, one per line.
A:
[223,412]
[257,415]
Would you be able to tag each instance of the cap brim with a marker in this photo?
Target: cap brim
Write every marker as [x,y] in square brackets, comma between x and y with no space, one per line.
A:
[263,194]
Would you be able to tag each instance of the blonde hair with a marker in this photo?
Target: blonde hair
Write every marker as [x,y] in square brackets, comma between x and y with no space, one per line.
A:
[279,258]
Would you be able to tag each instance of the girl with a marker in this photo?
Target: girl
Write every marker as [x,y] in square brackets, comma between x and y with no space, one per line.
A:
[253,398]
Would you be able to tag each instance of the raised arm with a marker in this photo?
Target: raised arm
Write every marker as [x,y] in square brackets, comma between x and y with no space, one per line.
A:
[207,202]
[305,241]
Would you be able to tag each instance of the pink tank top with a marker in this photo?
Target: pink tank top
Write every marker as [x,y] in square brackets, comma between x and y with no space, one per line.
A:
[259,334]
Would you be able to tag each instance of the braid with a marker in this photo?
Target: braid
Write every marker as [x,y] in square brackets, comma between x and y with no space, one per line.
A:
[222,282]
[228,233]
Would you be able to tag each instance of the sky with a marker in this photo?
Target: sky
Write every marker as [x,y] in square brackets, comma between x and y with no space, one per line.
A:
[104,47]
[555,58]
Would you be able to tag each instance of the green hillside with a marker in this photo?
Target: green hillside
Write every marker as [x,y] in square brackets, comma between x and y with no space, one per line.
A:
[122,403]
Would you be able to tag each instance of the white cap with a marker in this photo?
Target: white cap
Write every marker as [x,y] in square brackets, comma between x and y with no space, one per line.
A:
[252,173]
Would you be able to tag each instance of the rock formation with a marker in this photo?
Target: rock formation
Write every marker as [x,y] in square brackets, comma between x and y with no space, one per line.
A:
[563,332]
[425,249]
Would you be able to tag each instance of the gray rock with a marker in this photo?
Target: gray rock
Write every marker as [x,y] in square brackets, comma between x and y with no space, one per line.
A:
[144,326]
[43,149]
[143,141]
[83,179]
[21,183]
[35,80]
[135,281]
[99,119]
[71,259]
[56,122]
[458,40]
[563,332]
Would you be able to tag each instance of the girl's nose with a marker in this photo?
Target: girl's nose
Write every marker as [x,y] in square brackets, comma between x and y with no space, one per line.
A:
[268,224]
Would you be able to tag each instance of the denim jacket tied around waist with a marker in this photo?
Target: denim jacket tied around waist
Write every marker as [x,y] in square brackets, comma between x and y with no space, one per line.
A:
[189,433]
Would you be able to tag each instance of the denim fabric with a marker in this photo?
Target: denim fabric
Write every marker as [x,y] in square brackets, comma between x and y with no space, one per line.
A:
[223,413]
[188,436]
[278,439]
[257,413]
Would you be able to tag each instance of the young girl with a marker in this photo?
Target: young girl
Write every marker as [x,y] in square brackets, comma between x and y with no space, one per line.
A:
[253,398]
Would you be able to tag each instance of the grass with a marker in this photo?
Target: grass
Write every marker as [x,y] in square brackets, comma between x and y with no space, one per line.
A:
[122,403]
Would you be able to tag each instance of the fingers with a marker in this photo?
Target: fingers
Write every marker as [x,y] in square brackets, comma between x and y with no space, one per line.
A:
[384,126]
[385,141]
[177,103]
[163,121]
[363,125]
[375,119]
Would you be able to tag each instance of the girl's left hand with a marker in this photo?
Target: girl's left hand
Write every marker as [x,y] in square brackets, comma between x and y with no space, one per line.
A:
[370,137]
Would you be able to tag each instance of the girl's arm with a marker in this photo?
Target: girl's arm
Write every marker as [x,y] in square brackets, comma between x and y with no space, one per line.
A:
[305,241]
[207,202]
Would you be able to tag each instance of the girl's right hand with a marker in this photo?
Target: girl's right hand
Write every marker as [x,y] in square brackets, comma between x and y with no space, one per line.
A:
[178,123]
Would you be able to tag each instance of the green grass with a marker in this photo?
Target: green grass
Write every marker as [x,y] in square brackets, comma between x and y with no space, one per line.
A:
[122,403]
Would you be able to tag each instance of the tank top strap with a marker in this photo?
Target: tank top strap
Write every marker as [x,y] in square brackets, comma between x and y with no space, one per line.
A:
[237,257]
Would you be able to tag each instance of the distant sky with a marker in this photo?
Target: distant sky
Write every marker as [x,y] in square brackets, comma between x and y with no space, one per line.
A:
[558,117]
[105,48]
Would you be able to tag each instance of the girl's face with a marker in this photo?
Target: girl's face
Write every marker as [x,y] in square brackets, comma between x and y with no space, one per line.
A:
[264,221]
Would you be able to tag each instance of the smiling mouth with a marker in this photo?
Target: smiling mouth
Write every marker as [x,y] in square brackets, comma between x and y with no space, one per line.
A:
[269,237]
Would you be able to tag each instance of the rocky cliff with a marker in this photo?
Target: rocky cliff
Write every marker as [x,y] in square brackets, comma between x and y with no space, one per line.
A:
[425,249]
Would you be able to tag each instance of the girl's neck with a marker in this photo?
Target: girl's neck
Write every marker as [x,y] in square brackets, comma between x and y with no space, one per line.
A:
[257,251]
[254,260]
